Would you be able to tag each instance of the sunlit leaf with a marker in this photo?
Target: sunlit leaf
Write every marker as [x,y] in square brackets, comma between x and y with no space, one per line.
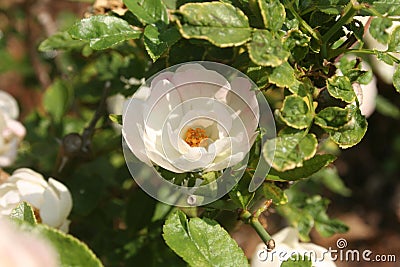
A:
[273,14]
[219,23]
[158,41]
[273,192]
[103,32]
[284,76]
[24,212]
[352,133]
[148,11]
[308,168]
[296,113]
[340,87]
[332,118]
[378,29]
[265,49]
[62,41]
[291,150]
[202,242]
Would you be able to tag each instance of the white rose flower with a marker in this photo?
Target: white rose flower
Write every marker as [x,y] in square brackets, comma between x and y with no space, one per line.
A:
[287,245]
[192,119]
[19,249]
[51,200]
[11,131]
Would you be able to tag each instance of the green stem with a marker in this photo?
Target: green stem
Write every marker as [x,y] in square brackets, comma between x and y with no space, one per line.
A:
[348,13]
[373,52]
[302,22]
[253,221]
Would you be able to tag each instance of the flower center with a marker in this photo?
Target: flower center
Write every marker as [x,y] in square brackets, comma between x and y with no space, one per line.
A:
[194,137]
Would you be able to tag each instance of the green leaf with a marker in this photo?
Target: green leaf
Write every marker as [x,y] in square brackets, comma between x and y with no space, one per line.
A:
[202,242]
[309,167]
[284,76]
[396,78]
[340,87]
[116,118]
[273,14]
[240,192]
[258,74]
[352,133]
[60,40]
[219,23]
[378,27]
[387,108]
[57,98]
[103,31]
[158,41]
[265,49]
[394,42]
[297,43]
[297,261]
[290,151]
[298,217]
[384,56]
[148,11]
[271,191]
[72,252]
[23,212]
[391,7]
[333,118]
[317,206]
[304,212]
[330,178]
[296,112]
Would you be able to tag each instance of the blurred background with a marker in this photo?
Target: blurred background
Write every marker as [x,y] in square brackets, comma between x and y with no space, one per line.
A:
[370,205]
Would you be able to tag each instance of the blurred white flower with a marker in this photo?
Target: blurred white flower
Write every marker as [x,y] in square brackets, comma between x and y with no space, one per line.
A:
[51,200]
[287,246]
[192,119]
[384,70]
[115,105]
[21,249]
[366,93]
[11,131]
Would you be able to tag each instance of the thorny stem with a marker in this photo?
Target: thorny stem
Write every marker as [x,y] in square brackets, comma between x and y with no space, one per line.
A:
[252,220]
[76,145]
[88,131]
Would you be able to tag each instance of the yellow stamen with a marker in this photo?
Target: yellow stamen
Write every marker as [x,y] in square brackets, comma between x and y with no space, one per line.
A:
[195,136]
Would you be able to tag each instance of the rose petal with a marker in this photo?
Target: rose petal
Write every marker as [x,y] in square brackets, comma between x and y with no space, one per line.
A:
[192,83]
[28,175]
[50,210]
[65,226]
[64,196]
[10,198]
[132,130]
[31,192]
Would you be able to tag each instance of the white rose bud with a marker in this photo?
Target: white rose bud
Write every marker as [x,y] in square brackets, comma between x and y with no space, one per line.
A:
[19,249]
[52,201]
